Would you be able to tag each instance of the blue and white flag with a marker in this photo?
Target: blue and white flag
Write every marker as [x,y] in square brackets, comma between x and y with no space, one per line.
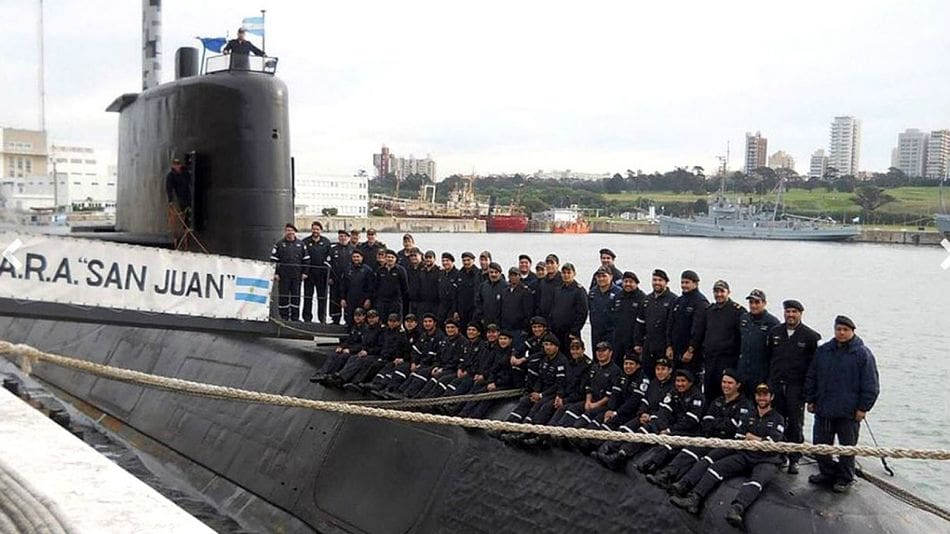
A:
[252,289]
[254,25]
[215,44]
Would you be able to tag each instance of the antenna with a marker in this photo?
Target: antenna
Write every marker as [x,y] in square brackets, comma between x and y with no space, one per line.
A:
[41,74]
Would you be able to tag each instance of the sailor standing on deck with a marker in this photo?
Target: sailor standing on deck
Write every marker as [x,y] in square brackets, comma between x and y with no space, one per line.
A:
[318,247]
[716,334]
[755,326]
[607,258]
[292,260]
[841,387]
[791,350]
[653,320]
[679,331]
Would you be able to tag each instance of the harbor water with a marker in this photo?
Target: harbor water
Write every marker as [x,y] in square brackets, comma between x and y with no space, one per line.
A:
[899,297]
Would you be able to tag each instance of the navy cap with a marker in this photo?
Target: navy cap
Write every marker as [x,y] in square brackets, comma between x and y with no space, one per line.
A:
[494,267]
[730,372]
[632,356]
[551,338]
[660,273]
[756,294]
[686,373]
[690,275]
[845,320]
[604,345]
[537,319]
[662,361]
[448,256]
[608,252]
[763,387]
[468,255]
[721,284]
[793,304]
[631,275]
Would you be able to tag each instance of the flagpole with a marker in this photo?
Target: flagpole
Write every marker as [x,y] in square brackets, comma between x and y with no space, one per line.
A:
[201,68]
[263,33]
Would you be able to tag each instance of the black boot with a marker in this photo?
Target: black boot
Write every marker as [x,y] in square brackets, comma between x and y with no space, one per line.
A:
[734,516]
[680,488]
[646,467]
[662,478]
[793,467]
[690,502]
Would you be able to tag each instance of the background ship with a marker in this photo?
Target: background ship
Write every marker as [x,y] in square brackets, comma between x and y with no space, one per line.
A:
[292,470]
[735,220]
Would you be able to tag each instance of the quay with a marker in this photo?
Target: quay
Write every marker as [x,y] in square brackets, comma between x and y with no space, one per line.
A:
[54,482]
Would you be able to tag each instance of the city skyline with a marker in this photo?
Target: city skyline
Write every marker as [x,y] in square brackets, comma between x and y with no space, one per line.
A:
[598,102]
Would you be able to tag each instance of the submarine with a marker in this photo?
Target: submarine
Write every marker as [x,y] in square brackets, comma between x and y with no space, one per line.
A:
[276,469]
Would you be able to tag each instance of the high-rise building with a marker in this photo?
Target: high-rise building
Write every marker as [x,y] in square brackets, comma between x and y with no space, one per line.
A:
[756,149]
[348,194]
[85,177]
[25,182]
[387,163]
[938,155]
[912,152]
[818,164]
[844,152]
[782,160]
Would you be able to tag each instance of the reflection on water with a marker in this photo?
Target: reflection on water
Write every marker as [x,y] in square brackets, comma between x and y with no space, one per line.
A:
[898,296]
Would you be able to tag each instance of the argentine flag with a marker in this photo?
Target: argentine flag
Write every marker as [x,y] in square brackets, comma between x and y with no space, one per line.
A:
[254,290]
[254,25]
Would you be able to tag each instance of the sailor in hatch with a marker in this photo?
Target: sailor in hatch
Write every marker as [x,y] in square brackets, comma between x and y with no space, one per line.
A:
[240,50]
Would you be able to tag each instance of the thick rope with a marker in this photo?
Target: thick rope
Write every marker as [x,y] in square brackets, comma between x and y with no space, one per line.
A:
[904,495]
[223,392]
[452,399]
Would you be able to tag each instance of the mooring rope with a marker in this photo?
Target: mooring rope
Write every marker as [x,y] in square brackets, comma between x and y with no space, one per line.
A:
[29,356]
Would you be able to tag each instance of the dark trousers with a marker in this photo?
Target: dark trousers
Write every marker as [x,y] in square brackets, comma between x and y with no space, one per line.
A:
[685,460]
[700,465]
[712,378]
[790,402]
[336,311]
[477,409]
[825,430]
[315,283]
[385,307]
[762,471]
[288,298]
[537,413]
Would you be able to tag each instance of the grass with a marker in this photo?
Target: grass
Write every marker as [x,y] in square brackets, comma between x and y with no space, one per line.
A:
[922,201]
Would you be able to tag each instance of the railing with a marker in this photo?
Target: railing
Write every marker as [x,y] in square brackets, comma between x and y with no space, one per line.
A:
[241,62]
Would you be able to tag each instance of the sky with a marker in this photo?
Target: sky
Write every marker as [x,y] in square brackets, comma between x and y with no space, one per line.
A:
[520,86]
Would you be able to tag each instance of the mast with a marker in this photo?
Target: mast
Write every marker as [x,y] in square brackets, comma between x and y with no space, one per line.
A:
[41,69]
[151,43]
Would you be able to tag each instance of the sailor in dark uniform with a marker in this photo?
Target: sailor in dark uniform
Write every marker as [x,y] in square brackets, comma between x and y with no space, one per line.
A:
[292,260]
[392,286]
[339,261]
[601,383]
[240,50]
[607,258]
[686,308]
[763,424]
[717,336]
[649,337]
[178,188]
[601,299]
[624,313]
[755,326]
[318,247]
[791,349]
[538,405]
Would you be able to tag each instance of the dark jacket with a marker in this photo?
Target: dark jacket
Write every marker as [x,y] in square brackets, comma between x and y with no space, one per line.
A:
[575,383]
[680,327]
[372,339]
[394,344]
[357,285]
[451,354]
[603,381]
[178,186]
[391,285]
[790,357]
[488,301]
[552,376]
[291,258]
[716,332]
[473,356]
[653,322]
[448,292]
[842,379]
[600,305]
[517,305]
[468,282]
[426,350]
[354,338]
[369,253]
[319,251]
[629,394]
[654,396]
[723,418]
[616,277]
[544,299]
[340,260]
[413,282]
[429,287]
[237,46]
[624,314]
[682,413]
[753,353]
[770,427]
[496,366]
[568,309]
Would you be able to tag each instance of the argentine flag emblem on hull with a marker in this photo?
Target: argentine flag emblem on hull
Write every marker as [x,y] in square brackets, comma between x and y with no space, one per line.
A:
[253,290]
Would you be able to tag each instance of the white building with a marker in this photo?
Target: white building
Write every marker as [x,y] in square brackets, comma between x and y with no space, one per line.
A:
[782,160]
[844,151]
[387,163]
[756,149]
[938,155]
[316,192]
[25,184]
[912,152]
[85,177]
[818,164]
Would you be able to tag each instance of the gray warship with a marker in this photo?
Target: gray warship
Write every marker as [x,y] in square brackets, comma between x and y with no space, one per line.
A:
[726,219]
[275,469]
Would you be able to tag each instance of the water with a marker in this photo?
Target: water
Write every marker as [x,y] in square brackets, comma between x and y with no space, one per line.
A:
[898,296]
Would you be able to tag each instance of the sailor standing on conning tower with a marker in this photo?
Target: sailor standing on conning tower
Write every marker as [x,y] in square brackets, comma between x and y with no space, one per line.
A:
[240,50]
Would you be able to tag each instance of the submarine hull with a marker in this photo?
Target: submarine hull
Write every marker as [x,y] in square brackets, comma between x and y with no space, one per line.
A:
[338,473]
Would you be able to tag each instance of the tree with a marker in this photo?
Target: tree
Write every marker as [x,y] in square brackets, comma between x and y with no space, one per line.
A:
[870,198]
[614,184]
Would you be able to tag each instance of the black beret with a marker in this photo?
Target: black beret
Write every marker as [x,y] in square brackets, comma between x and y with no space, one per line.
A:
[448,256]
[730,372]
[372,312]
[357,251]
[537,319]
[604,345]
[429,315]
[631,275]
[506,333]
[690,275]
[475,324]
[685,373]
[494,267]
[514,270]
[342,232]
[794,304]
[603,270]
[430,254]
[608,252]
[524,257]
[632,356]
[291,226]
[551,338]
[468,254]
[845,320]
[721,284]
[552,258]
[660,273]
[410,317]
[452,322]
[393,317]
[662,361]
[568,267]
[389,252]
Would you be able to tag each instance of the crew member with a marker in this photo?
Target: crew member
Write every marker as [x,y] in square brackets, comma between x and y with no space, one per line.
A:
[340,258]
[318,247]
[607,258]
[413,269]
[469,280]
[680,328]
[548,286]
[717,336]
[528,278]
[178,190]
[240,50]
[538,405]
[391,286]
[791,350]
[568,308]
[488,296]
[763,424]
[448,288]
[498,377]
[291,259]
[841,387]
[408,244]
[356,286]
[601,384]
[625,311]
[754,327]
[427,297]
[517,305]
[370,248]
[653,320]
[600,302]
[351,344]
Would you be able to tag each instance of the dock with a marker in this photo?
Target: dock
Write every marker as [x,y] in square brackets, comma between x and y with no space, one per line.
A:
[55,482]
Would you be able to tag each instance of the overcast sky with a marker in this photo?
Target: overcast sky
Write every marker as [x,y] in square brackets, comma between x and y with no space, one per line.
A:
[519,86]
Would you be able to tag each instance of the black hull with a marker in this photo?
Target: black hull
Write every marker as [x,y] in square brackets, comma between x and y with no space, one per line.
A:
[353,474]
